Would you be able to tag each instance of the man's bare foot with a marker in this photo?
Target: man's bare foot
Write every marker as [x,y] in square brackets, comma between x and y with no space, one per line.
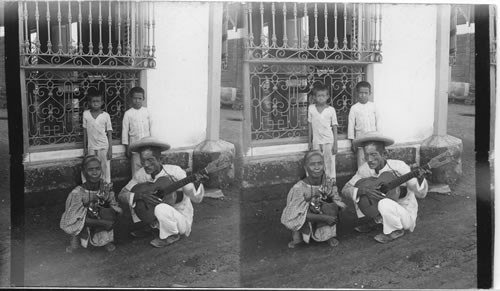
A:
[372,225]
[160,243]
[385,238]
[333,242]
[110,247]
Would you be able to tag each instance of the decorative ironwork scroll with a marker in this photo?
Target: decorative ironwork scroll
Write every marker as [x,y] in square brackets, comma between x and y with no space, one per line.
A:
[281,93]
[87,34]
[56,100]
[303,31]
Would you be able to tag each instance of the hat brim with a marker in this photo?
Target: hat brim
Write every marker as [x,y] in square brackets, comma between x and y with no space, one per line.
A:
[149,142]
[372,137]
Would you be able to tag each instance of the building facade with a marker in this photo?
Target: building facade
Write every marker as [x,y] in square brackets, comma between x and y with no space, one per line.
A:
[402,50]
[174,50]
[70,49]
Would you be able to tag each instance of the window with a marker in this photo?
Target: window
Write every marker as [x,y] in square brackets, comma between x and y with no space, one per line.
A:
[87,34]
[56,100]
[281,94]
[291,47]
[314,31]
[73,48]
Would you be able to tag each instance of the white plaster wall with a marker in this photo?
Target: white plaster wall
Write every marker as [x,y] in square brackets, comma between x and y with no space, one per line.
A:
[177,89]
[404,82]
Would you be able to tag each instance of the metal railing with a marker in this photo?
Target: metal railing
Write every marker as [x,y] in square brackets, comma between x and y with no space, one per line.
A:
[113,34]
[280,95]
[57,99]
[314,31]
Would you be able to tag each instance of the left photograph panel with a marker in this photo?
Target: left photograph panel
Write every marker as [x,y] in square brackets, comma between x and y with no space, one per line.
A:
[127,180]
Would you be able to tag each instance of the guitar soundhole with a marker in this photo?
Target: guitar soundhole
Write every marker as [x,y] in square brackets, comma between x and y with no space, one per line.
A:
[383,188]
[180,196]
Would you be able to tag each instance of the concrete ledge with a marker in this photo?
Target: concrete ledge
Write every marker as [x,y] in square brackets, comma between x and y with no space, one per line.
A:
[48,182]
[435,145]
[209,151]
[288,168]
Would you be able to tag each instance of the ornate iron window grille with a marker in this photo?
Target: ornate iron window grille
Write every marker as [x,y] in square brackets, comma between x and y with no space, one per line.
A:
[71,48]
[57,99]
[340,32]
[79,34]
[280,95]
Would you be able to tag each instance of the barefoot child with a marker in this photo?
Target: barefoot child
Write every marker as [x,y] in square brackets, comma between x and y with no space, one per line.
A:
[90,210]
[322,120]
[308,212]
[97,131]
[136,125]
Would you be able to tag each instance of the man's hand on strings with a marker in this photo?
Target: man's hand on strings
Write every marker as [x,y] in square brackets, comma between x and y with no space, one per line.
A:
[371,192]
[200,178]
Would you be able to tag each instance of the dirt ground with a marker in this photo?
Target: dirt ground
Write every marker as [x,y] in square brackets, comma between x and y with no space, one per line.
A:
[440,253]
[209,257]
[238,243]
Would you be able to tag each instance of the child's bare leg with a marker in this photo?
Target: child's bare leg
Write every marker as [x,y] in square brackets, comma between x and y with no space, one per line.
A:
[296,239]
[74,244]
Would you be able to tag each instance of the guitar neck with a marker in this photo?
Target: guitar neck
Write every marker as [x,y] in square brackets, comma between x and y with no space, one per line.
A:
[406,177]
[178,184]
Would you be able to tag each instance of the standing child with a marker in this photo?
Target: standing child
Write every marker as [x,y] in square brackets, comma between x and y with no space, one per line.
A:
[362,118]
[322,120]
[97,131]
[136,125]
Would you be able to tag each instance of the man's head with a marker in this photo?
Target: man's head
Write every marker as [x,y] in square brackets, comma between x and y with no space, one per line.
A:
[95,101]
[375,154]
[151,159]
[136,97]
[149,149]
[364,90]
[320,93]
[374,144]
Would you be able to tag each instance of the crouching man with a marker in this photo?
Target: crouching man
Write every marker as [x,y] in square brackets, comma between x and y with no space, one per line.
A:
[396,215]
[170,213]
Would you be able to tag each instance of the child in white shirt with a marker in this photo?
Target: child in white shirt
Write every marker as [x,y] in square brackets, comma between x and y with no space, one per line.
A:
[97,131]
[362,118]
[136,125]
[322,120]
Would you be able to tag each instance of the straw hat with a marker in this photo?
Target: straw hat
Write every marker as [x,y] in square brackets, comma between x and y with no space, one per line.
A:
[372,136]
[149,141]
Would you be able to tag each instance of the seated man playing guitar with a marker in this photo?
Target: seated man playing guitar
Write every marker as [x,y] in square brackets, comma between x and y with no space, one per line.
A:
[395,213]
[171,213]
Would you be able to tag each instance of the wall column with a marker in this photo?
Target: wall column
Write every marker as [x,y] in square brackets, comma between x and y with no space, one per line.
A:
[442,70]
[214,70]
[440,141]
[213,148]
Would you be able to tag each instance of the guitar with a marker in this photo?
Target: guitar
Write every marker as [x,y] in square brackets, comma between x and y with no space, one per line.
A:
[388,183]
[165,189]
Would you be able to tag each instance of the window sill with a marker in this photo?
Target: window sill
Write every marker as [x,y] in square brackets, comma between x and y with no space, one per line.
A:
[63,154]
[343,146]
